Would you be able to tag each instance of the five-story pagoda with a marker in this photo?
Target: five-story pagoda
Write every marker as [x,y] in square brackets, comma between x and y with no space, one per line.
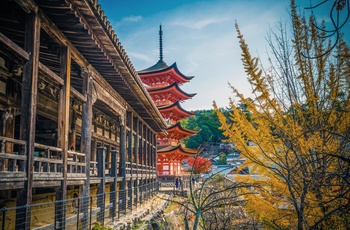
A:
[163,84]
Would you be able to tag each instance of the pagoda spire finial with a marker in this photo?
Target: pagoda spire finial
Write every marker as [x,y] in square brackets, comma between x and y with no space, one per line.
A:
[160,43]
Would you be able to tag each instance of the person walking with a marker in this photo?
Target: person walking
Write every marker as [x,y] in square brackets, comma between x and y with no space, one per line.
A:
[177,183]
[180,183]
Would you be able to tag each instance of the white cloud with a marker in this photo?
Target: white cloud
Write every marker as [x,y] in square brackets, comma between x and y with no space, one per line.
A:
[141,57]
[126,20]
[198,24]
[132,18]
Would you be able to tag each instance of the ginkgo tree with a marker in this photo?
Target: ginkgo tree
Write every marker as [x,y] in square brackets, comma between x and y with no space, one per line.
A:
[300,126]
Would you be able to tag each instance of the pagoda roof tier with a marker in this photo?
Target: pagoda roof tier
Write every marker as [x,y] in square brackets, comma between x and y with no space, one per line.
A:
[176,152]
[174,112]
[177,132]
[161,74]
[169,94]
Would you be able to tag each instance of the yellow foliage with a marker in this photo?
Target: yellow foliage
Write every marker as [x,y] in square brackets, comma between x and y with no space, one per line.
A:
[300,127]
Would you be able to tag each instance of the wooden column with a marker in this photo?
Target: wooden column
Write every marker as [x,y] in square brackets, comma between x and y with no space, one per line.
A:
[136,141]
[154,157]
[130,148]
[155,150]
[63,131]
[101,167]
[130,122]
[141,145]
[28,114]
[150,148]
[122,164]
[145,145]
[114,170]
[86,136]
[149,152]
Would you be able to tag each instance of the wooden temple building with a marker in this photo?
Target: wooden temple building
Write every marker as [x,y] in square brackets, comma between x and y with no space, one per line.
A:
[75,116]
[163,84]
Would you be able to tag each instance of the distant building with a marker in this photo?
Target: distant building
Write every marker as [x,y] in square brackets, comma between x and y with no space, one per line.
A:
[163,84]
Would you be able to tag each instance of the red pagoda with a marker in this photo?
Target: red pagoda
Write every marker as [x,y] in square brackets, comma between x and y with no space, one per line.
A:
[163,84]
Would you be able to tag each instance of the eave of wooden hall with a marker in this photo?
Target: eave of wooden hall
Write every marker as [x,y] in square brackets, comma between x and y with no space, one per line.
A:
[83,26]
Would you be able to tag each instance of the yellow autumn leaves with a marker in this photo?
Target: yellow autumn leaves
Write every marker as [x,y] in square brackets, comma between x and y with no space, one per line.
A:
[300,129]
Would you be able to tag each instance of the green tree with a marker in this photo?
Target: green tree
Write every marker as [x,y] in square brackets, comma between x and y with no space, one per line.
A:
[194,141]
[222,158]
[207,122]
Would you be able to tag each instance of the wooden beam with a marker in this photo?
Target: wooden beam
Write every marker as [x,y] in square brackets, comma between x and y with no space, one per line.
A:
[104,95]
[51,74]
[60,81]
[14,47]
[28,113]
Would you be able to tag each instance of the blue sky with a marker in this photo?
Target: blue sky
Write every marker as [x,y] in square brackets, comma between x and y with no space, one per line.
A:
[198,35]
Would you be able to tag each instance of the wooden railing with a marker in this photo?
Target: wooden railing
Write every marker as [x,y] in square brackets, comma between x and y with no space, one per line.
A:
[12,165]
[93,168]
[47,162]
[138,169]
[76,166]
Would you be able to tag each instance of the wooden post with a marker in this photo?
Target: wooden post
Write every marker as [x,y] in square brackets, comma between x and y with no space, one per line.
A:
[141,146]
[136,141]
[63,131]
[113,194]
[122,172]
[155,150]
[101,159]
[130,134]
[130,149]
[86,137]
[28,114]
[149,152]
[144,161]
